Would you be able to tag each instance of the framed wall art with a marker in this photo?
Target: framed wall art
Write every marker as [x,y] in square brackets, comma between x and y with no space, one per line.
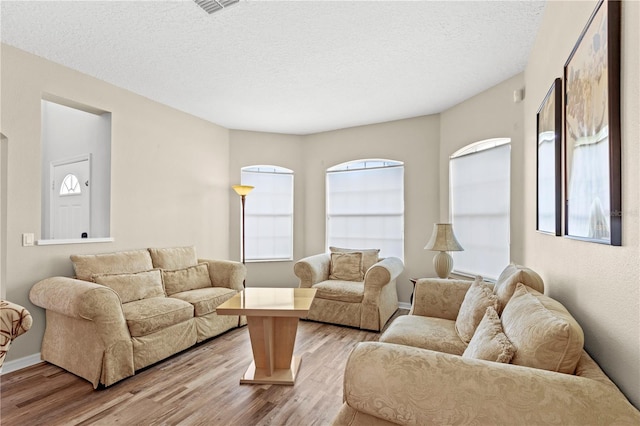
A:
[593,207]
[549,162]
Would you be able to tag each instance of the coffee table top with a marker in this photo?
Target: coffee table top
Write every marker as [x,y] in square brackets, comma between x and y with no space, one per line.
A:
[276,302]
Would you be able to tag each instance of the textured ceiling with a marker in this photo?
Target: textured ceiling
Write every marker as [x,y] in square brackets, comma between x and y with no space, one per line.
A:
[294,67]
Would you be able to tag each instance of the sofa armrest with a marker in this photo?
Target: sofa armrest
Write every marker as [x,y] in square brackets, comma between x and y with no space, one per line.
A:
[226,273]
[407,385]
[439,297]
[312,269]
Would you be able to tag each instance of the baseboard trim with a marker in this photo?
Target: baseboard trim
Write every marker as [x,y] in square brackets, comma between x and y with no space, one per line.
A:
[20,363]
[404,305]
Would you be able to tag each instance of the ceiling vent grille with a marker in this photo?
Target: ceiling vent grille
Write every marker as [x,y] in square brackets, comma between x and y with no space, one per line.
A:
[212,6]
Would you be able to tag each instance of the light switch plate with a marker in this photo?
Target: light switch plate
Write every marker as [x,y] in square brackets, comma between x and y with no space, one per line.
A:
[27,240]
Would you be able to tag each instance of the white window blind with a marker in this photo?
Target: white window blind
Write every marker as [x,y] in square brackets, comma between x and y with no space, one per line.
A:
[365,206]
[268,213]
[480,208]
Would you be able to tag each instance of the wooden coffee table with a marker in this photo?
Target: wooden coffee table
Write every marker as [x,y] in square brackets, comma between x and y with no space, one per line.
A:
[272,316]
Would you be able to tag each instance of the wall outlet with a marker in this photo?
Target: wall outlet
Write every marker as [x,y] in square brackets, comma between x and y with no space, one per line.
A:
[27,240]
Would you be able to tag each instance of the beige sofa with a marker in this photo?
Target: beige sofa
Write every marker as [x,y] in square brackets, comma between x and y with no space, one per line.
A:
[362,294]
[534,372]
[124,311]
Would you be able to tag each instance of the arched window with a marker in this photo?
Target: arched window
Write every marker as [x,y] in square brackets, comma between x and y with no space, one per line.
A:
[70,185]
[365,206]
[480,206]
[268,213]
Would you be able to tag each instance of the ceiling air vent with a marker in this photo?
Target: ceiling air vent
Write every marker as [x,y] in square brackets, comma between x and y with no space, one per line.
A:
[211,6]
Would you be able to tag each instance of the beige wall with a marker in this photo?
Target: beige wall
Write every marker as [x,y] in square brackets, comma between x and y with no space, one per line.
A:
[256,148]
[170,179]
[599,284]
[490,114]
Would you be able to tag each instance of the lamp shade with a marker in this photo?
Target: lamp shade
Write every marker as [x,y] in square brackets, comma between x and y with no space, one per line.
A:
[242,189]
[443,239]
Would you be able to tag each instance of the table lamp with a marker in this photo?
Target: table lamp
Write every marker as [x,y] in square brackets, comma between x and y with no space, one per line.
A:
[443,240]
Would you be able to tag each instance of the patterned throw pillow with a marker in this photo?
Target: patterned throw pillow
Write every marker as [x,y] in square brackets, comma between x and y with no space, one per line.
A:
[489,341]
[131,287]
[510,277]
[174,257]
[543,332]
[346,266]
[369,256]
[478,298]
[186,279]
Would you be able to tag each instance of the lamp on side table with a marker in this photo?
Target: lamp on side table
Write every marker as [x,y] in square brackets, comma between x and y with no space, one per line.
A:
[443,240]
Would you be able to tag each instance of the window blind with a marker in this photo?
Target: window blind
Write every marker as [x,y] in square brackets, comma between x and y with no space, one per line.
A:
[480,210]
[365,209]
[268,213]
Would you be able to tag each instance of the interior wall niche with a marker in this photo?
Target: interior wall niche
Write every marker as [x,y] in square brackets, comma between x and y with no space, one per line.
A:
[76,172]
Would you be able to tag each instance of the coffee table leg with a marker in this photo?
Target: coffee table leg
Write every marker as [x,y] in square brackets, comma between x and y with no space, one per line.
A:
[272,342]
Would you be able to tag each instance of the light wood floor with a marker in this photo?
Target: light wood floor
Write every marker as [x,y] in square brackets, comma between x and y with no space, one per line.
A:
[199,386]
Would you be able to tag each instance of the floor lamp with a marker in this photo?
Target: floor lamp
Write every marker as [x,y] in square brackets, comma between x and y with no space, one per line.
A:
[242,191]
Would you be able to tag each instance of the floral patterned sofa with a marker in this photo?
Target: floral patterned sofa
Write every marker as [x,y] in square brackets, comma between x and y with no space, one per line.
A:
[475,353]
[124,311]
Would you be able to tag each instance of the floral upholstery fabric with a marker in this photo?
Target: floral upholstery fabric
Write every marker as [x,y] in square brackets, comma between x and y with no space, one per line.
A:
[14,321]
[186,279]
[173,257]
[439,297]
[478,298]
[509,279]
[544,333]
[436,334]
[124,262]
[397,384]
[369,256]
[344,291]
[150,315]
[489,341]
[131,287]
[205,300]
[346,267]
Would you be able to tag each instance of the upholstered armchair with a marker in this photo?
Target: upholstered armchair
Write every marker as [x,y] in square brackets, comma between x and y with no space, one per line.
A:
[14,321]
[366,299]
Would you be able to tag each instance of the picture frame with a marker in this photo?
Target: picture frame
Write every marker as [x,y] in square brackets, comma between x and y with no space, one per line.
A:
[593,194]
[549,162]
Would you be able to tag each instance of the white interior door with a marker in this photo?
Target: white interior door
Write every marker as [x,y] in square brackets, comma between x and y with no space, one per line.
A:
[71,199]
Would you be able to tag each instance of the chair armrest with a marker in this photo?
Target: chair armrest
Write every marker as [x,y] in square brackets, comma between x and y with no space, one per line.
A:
[312,269]
[439,297]
[382,273]
[407,385]
[226,273]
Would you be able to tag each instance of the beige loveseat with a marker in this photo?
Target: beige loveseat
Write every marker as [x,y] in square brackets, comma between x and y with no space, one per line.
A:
[524,367]
[127,310]
[354,287]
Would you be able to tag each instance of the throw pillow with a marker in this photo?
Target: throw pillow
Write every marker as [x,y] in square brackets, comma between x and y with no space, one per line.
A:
[131,287]
[543,332]
[185,279]
[346,266]
[476,301]
[489,341]
[174,257]
[123,262]
[510,277]
[369,256]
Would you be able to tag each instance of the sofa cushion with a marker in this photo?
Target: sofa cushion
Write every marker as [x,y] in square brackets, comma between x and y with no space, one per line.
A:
[476,301]
[205,300]
[131,287]
[147,316]
[185,279]
[174,257]
[346,266]
[543,332]
[343,291]
[435,334]
[369,256]
[489,341]
[124,262]
[510,277]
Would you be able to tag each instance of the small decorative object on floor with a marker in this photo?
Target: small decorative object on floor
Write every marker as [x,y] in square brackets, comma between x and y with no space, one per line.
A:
[443,240]
[14,321]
